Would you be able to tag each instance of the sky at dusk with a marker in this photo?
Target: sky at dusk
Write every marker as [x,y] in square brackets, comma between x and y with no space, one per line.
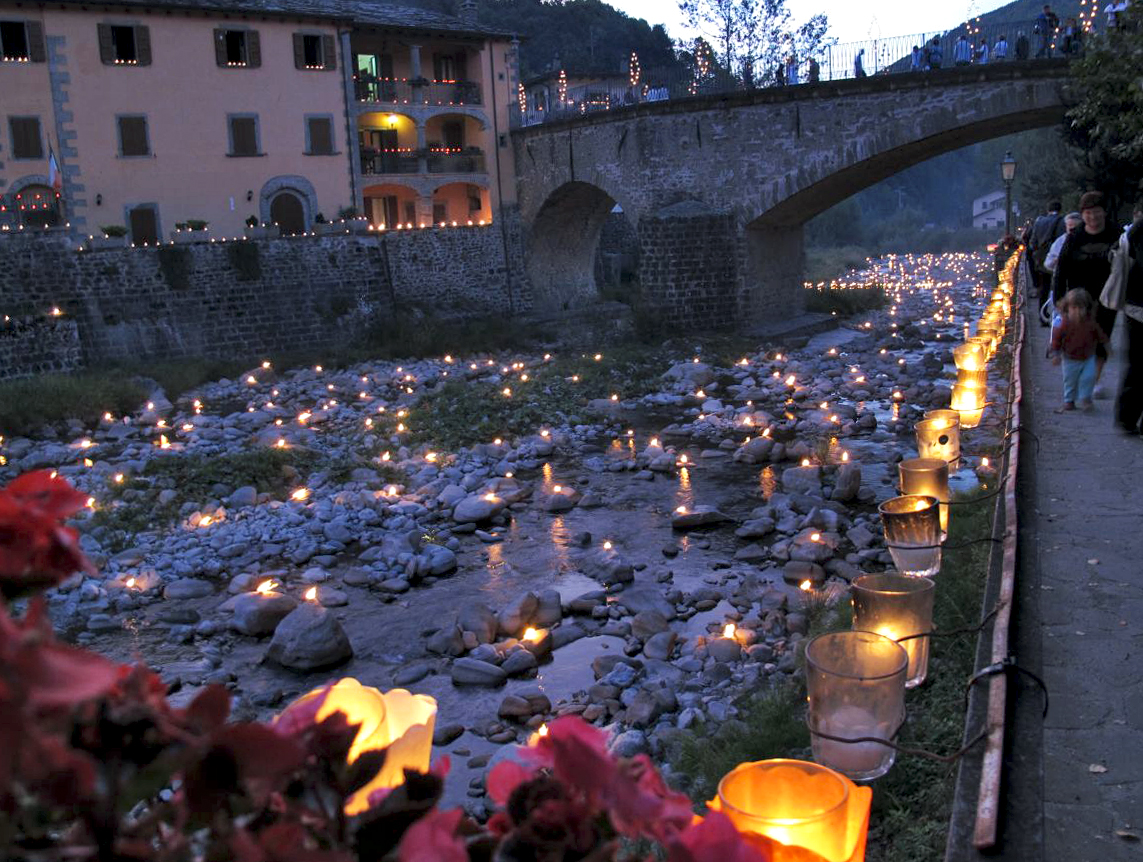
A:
[849,21]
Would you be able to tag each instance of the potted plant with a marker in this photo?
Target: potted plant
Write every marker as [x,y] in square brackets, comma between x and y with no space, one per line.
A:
[352,221]
[190,231]
[114,236]
[322,227]
[255,230]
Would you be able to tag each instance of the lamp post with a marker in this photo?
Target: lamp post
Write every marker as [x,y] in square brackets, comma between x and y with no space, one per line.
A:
[1008,174]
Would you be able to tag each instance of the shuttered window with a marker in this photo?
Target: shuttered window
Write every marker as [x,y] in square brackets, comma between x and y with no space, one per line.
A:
[133,136]
[124,45]
[21,42]
[244,136]
[144,223]
[237,49]
[27,142]
[314,52]
[319,132]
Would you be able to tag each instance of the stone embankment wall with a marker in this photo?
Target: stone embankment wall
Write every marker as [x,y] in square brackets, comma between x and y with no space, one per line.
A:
[238,298]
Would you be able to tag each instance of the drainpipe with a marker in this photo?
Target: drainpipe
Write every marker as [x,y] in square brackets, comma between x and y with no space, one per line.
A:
[499,178]
[352,148]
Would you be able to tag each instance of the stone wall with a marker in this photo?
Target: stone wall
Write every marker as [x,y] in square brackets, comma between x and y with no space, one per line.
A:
[38,345]
[242,298]
[688,273]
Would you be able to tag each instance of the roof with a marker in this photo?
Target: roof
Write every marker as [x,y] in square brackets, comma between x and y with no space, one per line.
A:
[369,13]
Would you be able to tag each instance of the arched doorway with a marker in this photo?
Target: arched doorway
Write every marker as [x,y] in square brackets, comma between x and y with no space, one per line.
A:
[288,213]
[37,206]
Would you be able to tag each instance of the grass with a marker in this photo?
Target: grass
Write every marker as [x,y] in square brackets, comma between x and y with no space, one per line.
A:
[825,263]
[911,804]
[26,405]
[845,301]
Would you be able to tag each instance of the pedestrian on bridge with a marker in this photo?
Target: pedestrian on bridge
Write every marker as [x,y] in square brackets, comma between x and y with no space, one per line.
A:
[917,59]
[1085,262]
[936,54]
[1000,49]
[859,64]
[1047,22]
[982,52]
[962,52]
[1022,46]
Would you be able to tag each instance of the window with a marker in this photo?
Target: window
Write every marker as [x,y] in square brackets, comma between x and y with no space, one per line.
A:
[27,143]
[244,135]
[38,206]
[452,133]
[14,42]
[237,49]
[144,223]
[314,51]
[440,213]
[319,136]
[124,45]
[133,136]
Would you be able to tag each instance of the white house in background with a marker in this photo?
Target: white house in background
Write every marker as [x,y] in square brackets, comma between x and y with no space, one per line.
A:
[988,211]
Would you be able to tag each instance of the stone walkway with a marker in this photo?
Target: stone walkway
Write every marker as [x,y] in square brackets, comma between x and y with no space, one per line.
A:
[1077,776]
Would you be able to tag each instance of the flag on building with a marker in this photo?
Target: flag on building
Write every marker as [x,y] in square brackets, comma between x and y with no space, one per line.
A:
[55,178]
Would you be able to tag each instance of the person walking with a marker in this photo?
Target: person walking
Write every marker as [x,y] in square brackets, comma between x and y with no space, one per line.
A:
[1000,49]
[1072,45]
[1044,232]
[1074,345]
[1085,262]
[962,51]
[859,64]
[1022,46]
[1124,292]
[1047,22]
[936,55]
[792,70]
[982,52]
[916,59]
[815,71]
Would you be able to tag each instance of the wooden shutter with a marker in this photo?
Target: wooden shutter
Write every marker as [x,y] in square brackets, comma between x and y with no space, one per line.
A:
[253,49]
[142,45]
[133,136]
[299,51]
[244,136]
[460,73]
[106,45]
[26,140]
[328,53]
[144,228]
[321,136]
[385,66]
[220,47]
[35,36]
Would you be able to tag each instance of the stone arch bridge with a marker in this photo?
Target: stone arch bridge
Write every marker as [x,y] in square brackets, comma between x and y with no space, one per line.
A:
[719,187]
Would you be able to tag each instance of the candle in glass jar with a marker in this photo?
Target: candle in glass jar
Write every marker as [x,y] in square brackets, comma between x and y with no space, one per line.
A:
[927,477]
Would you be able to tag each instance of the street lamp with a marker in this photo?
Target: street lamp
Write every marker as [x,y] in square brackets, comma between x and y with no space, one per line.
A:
[1008,174]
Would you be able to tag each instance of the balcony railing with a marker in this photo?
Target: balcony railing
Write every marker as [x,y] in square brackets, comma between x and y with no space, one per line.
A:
[419,91]
[390,162]
[408,161]
[468,161]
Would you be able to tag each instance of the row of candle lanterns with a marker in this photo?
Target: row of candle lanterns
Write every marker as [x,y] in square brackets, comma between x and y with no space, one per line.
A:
[856,680]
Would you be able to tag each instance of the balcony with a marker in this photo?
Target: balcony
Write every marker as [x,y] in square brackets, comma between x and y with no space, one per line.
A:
[417,91]
[437,161]
[402,161]
[467,161]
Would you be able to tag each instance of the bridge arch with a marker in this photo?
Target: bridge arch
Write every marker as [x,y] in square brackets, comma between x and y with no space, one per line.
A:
[562,243]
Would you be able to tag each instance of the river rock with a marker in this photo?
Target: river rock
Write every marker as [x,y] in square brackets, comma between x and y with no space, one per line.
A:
[524,704]
[660,646]
[477,508]
[639,599]
[519,661]
[469,671]
[549,611]
[647,623]
[724,650]
[258,614]
[309,638]
[513,619]
[697,516]
[755,450]
[478,618]
[448,641]
[247,495]
[803,480]
[848,483]
[187,588]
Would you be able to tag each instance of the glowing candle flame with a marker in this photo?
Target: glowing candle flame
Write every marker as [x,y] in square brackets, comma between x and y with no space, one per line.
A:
[130,582]
[805,586]
[607,546]
[311,594]
[728,630]
[300,494]
[264,587]
[531,635]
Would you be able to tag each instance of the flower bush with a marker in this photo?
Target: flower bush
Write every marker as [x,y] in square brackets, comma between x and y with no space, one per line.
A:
[95,764]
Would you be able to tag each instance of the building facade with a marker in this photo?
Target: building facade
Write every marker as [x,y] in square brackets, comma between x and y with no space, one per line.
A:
[988,211]
[162,113]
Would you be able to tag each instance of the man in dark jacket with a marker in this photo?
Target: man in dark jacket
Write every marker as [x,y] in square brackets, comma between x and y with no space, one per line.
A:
[1085,262]
[1044,232]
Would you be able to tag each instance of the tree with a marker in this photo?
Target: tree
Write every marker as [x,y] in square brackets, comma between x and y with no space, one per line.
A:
[1106,123]
[754,35]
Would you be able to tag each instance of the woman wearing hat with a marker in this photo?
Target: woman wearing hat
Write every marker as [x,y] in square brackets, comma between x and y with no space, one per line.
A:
[1085,262]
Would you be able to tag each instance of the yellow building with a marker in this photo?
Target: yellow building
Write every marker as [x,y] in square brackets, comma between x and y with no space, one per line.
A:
[160,113]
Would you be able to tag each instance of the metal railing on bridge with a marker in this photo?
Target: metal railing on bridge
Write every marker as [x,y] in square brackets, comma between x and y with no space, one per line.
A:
[916,53]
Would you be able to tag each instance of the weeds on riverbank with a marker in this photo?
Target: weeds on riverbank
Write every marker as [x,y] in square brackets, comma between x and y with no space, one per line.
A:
[26,405]
[911,804]
[845,301]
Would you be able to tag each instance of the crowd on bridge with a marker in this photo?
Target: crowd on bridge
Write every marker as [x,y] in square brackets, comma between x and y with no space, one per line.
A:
[1086,271]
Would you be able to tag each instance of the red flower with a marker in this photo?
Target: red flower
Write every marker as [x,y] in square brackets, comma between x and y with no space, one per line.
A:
[434,838]
[714,839]
[36,549]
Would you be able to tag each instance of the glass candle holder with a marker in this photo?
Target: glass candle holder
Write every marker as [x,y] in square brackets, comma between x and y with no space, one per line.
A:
[968,401]
[977,379]
[799,805]
[928,477]
[939,438]
[969,357]
[897,606]
[984,343]
[912,526]
[856,686]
